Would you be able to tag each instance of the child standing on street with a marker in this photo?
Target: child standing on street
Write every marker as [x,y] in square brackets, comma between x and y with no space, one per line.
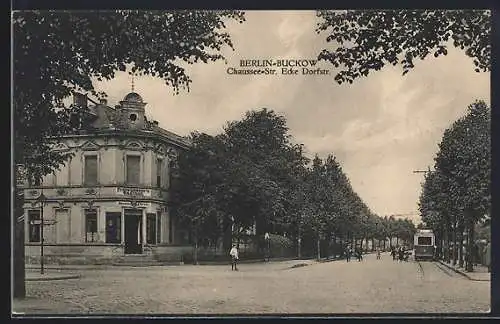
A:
[234,258]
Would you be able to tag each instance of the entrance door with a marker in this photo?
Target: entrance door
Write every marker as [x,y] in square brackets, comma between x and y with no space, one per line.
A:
[133,231]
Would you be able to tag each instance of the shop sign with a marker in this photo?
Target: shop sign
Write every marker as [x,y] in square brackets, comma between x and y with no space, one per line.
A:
[136,204]
[134,192]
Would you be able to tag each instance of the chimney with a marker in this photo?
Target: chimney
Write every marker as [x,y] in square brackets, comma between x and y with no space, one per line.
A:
[103,102]
[79,99]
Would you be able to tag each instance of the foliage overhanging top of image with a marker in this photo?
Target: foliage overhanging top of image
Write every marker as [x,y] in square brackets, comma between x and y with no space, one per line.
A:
[367,40]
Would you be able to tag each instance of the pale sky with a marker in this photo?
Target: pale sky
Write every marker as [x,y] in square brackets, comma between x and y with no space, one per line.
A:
[380,128]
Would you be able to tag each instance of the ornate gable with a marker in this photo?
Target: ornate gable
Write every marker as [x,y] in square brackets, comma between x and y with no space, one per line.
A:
[134,145]
[60,147]
[90,146]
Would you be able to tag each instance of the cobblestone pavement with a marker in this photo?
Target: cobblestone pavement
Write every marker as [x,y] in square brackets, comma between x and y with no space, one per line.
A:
[370,286]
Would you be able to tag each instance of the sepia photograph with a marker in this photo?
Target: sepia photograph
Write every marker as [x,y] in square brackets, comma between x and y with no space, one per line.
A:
[250,162]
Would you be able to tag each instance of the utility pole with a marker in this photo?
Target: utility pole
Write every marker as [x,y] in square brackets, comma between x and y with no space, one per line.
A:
[19,287]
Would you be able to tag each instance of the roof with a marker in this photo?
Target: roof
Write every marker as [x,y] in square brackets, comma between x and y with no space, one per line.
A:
[133,97]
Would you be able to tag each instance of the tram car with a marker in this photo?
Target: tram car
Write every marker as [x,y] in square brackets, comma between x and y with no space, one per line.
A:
[424,245]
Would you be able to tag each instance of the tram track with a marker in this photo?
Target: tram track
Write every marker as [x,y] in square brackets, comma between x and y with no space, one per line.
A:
[421,269]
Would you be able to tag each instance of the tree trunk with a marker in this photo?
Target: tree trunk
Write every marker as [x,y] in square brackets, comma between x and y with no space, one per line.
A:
[18,255]
[384,244]
[470,247]
[461,245]
[299,251]
[446,241]
[455,243]
[195,254]
[318,248]
[397,240]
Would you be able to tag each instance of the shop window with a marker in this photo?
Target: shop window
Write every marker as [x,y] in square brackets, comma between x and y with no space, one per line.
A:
[91,226]
[34,225]
[90,170]
[150,228]
[113,227]
[133,169]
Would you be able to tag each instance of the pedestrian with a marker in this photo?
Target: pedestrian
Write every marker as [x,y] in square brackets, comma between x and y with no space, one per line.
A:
[234,258]
[348,254]
[401,254]
[359,254]
[378,253]
[393,253]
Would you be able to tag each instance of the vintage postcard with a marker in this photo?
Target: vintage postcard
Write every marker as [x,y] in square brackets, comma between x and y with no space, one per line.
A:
[239,162]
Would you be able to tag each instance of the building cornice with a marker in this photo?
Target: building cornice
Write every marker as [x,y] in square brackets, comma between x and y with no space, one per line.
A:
[142,134]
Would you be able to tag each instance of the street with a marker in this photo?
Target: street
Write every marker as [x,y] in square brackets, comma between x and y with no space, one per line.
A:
[370,286]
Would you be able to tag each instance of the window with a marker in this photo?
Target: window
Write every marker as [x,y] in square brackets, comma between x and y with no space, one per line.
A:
[34,225]
[150,228]
[159,168]
[424,240]
[133,169]
[158,227]
[90,169]
[113,227]
[91,225]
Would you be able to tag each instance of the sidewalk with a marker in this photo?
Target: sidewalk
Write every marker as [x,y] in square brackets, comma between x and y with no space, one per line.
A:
[480,272]
[50,275]
[58,267]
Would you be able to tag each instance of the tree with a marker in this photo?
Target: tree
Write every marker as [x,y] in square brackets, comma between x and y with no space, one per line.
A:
[465,159]
[58,52]
[245,175]
[262,140]
[369,39]
[458,192]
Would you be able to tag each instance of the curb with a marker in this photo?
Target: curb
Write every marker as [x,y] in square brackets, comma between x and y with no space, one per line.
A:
[69,268]
[61,277]
[158,264]
[464,274]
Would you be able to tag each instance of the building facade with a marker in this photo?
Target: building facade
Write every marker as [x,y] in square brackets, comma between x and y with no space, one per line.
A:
[111,198]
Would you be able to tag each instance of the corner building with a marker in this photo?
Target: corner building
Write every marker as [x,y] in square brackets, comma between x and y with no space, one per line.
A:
[111,198]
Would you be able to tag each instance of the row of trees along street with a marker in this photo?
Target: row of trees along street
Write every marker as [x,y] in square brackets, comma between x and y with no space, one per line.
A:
[455,197]
[254,176]
[56,53]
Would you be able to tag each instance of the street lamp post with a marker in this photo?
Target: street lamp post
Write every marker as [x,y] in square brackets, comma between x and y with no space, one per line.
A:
[41,200]
[268,246]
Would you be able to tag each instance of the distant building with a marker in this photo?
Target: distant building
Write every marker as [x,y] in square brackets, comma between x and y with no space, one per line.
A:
[110,198]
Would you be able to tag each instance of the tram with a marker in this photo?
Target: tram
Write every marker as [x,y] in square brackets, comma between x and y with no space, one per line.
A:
[424,245]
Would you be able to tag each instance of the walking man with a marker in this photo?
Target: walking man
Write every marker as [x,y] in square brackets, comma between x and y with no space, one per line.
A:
[378,253]
[348,254]
[359,254]
[234,258]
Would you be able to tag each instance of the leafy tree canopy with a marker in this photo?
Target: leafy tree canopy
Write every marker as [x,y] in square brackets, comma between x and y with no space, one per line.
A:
[368,40]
